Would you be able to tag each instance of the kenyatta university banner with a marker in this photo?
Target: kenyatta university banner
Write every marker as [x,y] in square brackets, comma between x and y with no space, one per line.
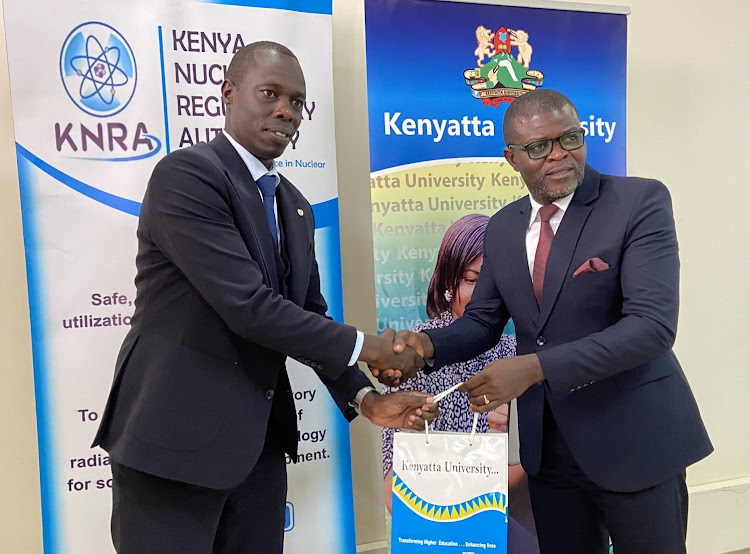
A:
[440,76]
[101,91]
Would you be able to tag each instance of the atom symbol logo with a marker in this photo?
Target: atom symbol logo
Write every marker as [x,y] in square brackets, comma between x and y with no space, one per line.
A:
[98,69]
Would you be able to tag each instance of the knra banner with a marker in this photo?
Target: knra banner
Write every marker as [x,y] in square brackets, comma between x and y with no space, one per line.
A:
[101,90]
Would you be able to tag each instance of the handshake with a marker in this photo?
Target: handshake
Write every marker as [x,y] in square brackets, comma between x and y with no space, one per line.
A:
[395,357]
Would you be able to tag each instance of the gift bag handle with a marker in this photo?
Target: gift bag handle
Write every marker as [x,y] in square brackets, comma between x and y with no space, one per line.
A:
[438,398]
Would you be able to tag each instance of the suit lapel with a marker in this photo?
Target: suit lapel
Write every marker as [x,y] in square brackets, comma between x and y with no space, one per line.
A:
[565,241]
[294,215]
[252,205]
[519,262]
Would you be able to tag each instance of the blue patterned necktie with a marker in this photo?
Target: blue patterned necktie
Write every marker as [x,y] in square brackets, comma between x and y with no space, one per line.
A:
[267,186]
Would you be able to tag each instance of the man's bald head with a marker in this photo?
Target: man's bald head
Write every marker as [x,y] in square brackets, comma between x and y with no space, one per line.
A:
[264,93]
[246,58]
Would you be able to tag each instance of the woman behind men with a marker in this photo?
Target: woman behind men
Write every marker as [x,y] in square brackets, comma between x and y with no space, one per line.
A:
[457,268]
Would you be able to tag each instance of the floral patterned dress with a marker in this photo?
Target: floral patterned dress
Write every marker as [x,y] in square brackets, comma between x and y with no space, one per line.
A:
[454,408]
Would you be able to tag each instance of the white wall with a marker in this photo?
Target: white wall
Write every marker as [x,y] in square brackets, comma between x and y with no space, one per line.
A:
[20,507]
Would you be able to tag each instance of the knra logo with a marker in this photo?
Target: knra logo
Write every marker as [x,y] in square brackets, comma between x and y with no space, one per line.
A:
[99,74]
[110,142]
[98,69]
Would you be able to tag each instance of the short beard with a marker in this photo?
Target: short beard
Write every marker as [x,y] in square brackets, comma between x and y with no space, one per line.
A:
[544,195]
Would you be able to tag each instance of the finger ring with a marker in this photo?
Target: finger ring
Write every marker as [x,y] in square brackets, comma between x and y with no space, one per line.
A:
[485,399]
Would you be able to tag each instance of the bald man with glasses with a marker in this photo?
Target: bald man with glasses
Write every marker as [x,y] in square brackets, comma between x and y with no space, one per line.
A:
[587,267]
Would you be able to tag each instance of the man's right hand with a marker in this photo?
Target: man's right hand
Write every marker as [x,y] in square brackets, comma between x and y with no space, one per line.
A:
[389,366]
[420,342]
[401,342]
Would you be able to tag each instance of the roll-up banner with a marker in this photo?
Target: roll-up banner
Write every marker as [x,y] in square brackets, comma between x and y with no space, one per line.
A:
[101,90]
[440,76]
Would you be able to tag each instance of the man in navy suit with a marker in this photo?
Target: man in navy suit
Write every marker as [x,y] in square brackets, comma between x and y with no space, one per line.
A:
[587,266]
[201,412]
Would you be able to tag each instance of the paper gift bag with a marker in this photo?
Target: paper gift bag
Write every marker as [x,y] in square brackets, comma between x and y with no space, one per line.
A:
[450,494]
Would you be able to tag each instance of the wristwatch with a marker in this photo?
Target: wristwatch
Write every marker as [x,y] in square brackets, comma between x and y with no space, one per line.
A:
[356,403]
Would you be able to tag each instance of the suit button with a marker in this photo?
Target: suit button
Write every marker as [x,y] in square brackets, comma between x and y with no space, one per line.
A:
[541,341]
[269,394]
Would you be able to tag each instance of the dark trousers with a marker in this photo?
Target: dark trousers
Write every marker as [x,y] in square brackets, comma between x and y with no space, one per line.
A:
[575,516]
[155,515]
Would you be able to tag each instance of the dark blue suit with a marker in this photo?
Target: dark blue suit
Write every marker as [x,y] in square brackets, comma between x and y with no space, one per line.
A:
[200,389]
[614,394]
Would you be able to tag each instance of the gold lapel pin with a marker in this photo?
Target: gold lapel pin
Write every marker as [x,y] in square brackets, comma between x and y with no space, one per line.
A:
[300,212]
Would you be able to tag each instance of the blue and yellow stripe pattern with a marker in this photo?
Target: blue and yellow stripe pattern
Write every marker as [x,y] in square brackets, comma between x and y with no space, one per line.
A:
[491,501]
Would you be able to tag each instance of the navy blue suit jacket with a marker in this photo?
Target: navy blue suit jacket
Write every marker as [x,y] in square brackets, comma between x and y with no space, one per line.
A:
[604,339]
[204,361]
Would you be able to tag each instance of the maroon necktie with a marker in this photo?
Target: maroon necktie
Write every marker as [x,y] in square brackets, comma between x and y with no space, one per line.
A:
[542,249]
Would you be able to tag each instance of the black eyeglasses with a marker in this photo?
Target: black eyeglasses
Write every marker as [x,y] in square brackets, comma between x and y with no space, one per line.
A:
[572,140]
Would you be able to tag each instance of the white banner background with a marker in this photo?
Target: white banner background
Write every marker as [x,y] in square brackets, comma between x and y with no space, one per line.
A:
[82,175]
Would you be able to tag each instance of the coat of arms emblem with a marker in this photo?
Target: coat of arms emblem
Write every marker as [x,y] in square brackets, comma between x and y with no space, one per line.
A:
[504,77]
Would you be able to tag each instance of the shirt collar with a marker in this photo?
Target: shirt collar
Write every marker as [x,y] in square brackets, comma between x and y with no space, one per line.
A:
[562,204]
[254,165]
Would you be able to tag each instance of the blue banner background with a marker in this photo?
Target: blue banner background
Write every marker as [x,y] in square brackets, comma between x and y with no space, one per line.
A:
[417,51]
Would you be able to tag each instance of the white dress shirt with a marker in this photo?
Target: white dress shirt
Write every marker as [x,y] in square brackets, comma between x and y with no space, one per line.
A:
[535,223]
[258,170]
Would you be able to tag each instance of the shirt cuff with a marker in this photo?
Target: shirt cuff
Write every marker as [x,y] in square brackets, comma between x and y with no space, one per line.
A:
[357,348]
